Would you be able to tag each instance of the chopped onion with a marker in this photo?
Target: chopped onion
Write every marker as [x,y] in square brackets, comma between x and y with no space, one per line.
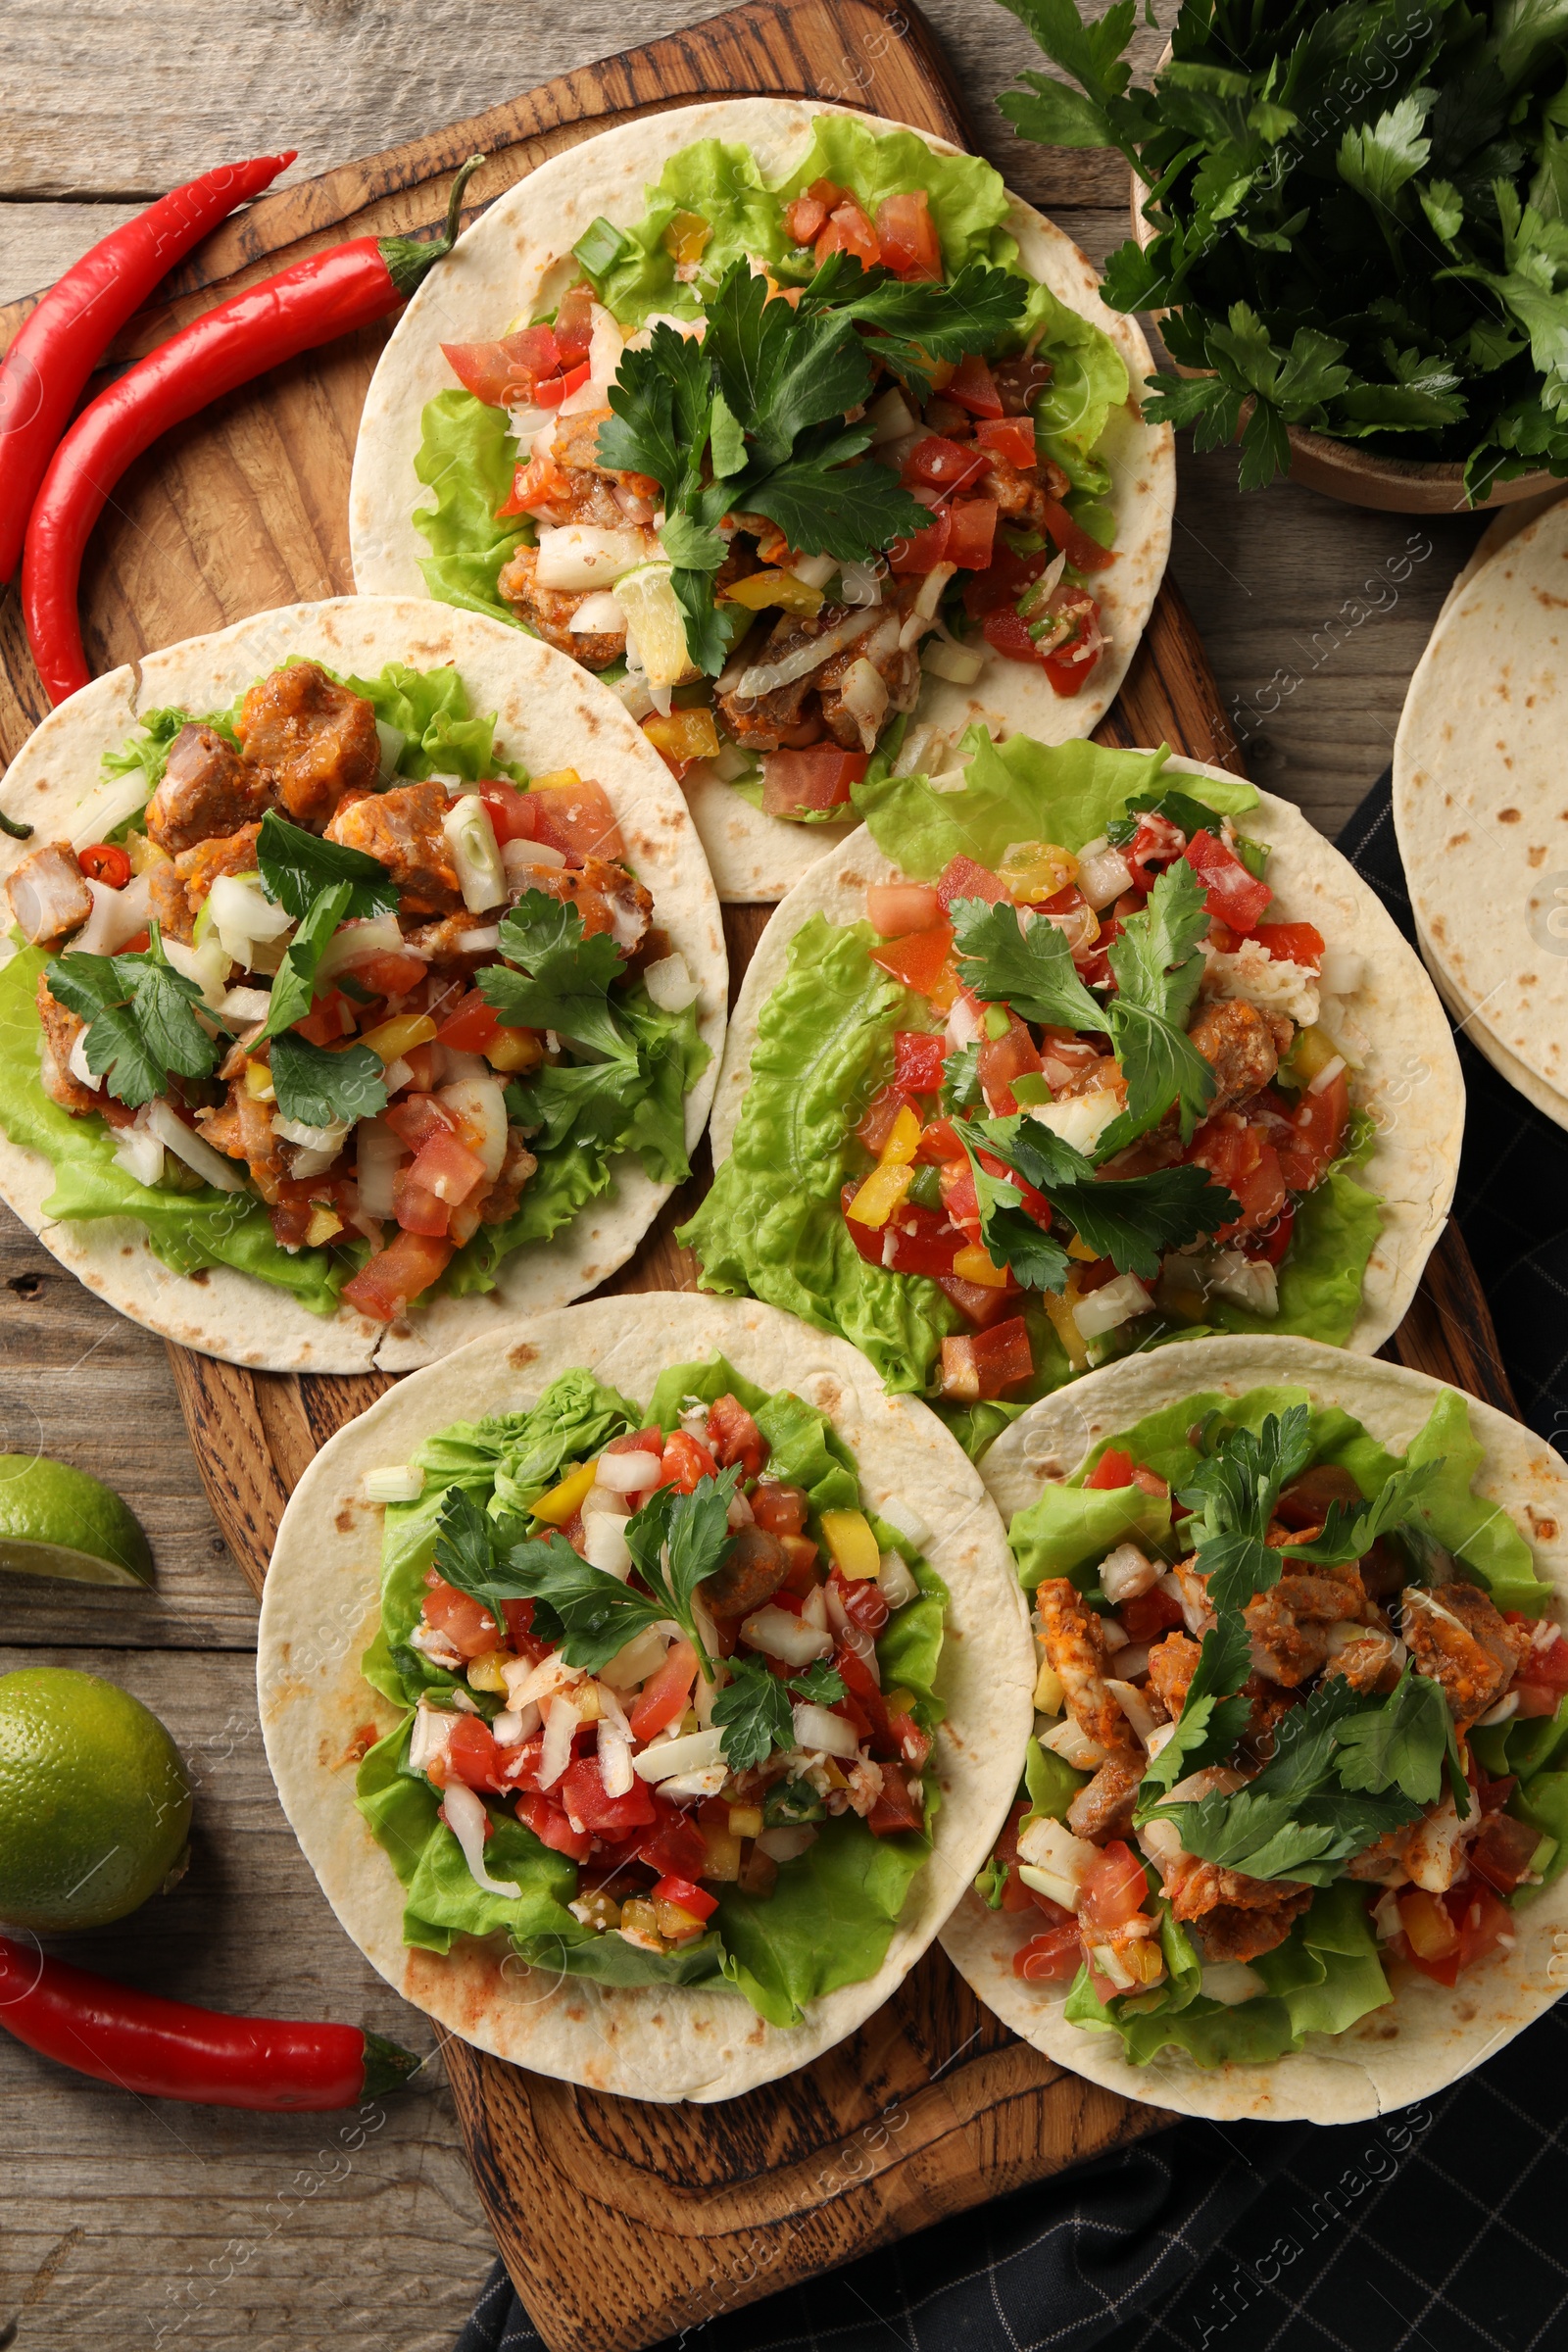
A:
[894,1580]
[686,1788]
[814,571]
[355,942]
[605,346]
[615,1758]
[315,1162]
[208,966]
[778,1634]
[860,584]
[692,1751]
[924,608]
[430,1736]
[392,741]
[97,818]
[627,1473]
[398,1482]
[1327,1075]
[468,1821]
[910,1526]
[312,1139]
[1104,873]
[1230,1983]
[604,1543]
[517,857]
[472,838]
[599,614]
[637,1659]
[1134,1705]
[669,983]
[78,1065]
[633,690]
[139,1153]
[863,691]
[561,1725]
[589,554]
[212,1167]
[1341,972]
[242,1005]
[117,916]
[766,677]
[1114,1303]
[1248,1282]
[483,940]
[239,910]
[479,1108]
[786,1844]
[822,1732]
[956,663]
[890,418]
[1073,1745]
[1127,1572]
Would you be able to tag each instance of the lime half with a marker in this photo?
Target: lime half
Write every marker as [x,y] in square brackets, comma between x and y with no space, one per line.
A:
[94,1800]
[655,622]
[57,1521]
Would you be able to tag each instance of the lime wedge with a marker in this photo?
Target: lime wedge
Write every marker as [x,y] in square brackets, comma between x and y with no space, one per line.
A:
[57,1521]
[655,622]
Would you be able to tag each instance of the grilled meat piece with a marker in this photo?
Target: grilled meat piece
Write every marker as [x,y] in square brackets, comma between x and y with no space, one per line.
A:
[752,1572]
[1289,1625]
[48,892]
[207,790]
[763,722]
[1373,1661]
[1172,1664]
[1104,1809]
[898,669]
[1458,1636]
[402,828]
[605,895]
[61,1029]
[166,900]
[501,1201]
[1243,1929]
[315,739]
[198,869]
[1074,1643]
[550,611]
[1244,1047]
[242,1129]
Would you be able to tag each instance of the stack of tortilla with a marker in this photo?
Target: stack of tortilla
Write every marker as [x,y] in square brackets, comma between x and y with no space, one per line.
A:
[1481,803]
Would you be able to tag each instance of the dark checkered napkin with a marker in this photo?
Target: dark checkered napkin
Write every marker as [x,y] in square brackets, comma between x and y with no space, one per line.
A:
[1436,2228]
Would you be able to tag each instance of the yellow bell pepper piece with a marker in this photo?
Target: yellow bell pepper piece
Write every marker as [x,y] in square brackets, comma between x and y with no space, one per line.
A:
[1078,1248]
[685,734]
[899,1701]
[1067,1329]
[514,1050]
[746,1821]
[390,1038]
[259,1082]
[852,1545]
[781,588]
[903,1141]
[1049,1695]
[484,1671]
[971,1265]
[879,1196]
[1033,870]
[685,237]
[559,1505]
[558,779]
[1312,1052]
[324,1222]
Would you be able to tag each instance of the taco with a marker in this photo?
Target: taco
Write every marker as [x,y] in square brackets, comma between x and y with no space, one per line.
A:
[1051,966]
[1291,1837]
[1478,800]
[368,985]
[696,1687]
[861,291]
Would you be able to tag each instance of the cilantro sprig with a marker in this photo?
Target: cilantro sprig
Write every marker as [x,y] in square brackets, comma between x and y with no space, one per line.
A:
[142,1030]
[320,884]
[564,978]
[1213,1716]
[753,1708]
[752,419]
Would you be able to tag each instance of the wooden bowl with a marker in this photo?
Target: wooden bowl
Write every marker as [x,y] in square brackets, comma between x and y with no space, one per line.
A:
[1343,470]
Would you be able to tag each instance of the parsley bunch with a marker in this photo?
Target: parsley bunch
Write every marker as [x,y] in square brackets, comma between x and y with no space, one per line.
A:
[1361,217]
[142,1030]
[750,418]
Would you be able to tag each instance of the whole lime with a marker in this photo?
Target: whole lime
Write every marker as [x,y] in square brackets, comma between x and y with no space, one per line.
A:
[57,1521]
[94,1800]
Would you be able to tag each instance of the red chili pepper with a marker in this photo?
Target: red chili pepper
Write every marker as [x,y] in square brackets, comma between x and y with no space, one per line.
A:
[59,343]
[168,2050]
[331,294]
[104,861]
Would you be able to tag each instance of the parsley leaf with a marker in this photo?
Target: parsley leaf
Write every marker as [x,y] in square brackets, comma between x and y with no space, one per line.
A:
[754,1708]
[565,978]
[676,1541]
[1010,1235]
[960,1080]
[467,1542]
[593,1616]
[1129,1219]
[1233,1495]
[1030,967]
[320,1087]
[294,988]
[1305,1837]
[296,865]
[141,1028]
[1349,1534]
[820,1683]
[1156,963]
[1212,1717]
[1402,1745]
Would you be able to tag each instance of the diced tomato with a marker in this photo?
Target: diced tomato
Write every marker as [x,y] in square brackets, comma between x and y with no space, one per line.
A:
[982,1364]
[533,486]
[1003,583]
[919,961]
[518,1616]
[1148,1615]
[924,550]
[881,1118]
[1237,897]
[917,1059]
[446,1167]
[939,465]
[1082,553]
[867,1238]
[676,1847]
[1534,1699]
[804,218]
[503,375]
[962,878]
[909,1741]
[971,533]
[555,389]
[920,1241]
[511,813]
[974,388]
[1291,942]
[1011,438]
[862,1600]
[1115,1890]
[1114,1469]
[1482,1920]
[939,1142]
[329,1020]
[860,1685]
[1548,1669]
[734,1436]
[459,1619]
[667,1693]
[894,909]
[417,1211]
[819,777]
[473,1755]
[1157,842]
[578,819]
[897,1807]
[1006,632]
[539,1812]
[1501,1853]
[1049,1959]
[138,945]
[471,1027]
[980,1303]
[686,1460]
[391,974]
[583,1793]
[907,236]
[959,1196]
[686,1895]
[1000,1061]
[104,861]
[1068,665]
[416,1118]
[403,1271]
[780,1509]
[1317,1131]
[848,230]
[574,324]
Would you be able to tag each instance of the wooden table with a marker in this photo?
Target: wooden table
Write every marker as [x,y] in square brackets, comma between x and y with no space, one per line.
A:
[140,2226]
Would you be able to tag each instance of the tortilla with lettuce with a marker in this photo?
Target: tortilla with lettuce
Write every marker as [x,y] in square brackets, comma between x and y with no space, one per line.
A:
[656,2040]
[723,164]
[202,1266]
[1344,2035]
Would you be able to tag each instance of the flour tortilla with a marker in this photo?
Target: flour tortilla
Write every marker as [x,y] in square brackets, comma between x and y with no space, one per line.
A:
[551,715]
[1479,806]
[1552,1105]
[321,1606]
[1393,1026]
[1429,2036]
[495,276]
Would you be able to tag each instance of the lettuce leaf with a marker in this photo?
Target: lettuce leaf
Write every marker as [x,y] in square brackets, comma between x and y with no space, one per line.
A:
[429,707]
[467,456]
[1332,1240]
[724,187]
[1478,1531]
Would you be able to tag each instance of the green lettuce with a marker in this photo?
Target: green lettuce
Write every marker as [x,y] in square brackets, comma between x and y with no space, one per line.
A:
[1323,1978]
[442,736]
[467,456]
[831,1916]
[1475,1530]
[631,270]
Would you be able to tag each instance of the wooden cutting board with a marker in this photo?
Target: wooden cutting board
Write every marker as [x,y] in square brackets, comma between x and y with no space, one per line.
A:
[620,2223]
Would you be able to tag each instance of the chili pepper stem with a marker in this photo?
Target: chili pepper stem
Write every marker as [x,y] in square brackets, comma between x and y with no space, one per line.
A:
[409,260]
[387,2066]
